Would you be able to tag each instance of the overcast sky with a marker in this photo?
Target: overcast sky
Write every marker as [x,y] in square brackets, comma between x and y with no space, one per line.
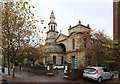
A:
[97,13]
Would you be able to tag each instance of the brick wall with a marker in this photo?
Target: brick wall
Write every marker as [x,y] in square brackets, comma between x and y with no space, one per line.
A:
[36,70]
[75,74]
[116,20]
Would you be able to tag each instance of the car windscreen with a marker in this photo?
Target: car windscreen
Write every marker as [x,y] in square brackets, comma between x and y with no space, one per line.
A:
[90,69]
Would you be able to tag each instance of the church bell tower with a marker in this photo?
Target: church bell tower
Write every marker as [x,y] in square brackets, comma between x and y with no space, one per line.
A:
[52,32]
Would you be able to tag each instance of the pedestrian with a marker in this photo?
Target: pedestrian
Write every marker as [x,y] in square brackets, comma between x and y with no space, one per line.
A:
[20,66]
[3,69]
[11,67]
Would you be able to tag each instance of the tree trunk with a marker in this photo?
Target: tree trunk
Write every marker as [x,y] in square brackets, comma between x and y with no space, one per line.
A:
[8,63]
[3,68]
[13,70]
[14,55]
[8,43]
[33,63]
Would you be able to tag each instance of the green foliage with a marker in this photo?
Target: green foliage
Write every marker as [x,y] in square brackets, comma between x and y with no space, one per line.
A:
[101,49]
[80,65]
[33,54]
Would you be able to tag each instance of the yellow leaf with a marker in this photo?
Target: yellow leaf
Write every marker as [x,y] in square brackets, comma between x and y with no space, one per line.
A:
[44,27]
[30,53]
[33,6]
[26,3]
[16,2]
[42,21]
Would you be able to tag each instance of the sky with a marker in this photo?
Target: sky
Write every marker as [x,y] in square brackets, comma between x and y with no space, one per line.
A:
[97,13]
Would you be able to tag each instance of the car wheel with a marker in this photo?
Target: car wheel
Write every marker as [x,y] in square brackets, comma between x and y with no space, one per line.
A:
[99,80]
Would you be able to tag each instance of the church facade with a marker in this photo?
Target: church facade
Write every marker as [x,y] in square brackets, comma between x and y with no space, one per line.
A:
[61,48]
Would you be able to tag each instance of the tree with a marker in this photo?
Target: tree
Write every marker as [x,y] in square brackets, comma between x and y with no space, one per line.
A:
[19,29]
[99,52]
[115,52]
[97,47]
[35,53]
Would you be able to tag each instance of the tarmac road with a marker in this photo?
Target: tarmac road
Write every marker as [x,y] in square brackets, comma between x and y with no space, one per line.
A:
[26,77]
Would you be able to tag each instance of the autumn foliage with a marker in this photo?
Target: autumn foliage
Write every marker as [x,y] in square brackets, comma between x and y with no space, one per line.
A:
[19,29]
[98,48]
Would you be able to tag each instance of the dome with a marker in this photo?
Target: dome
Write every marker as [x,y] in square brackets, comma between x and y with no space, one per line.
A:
[54,48]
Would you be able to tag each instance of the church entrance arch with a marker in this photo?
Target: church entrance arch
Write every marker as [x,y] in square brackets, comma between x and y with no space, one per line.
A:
[63,47]
[64,51]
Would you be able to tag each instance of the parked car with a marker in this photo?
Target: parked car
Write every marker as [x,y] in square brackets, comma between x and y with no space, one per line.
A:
[98,73]
[56,67]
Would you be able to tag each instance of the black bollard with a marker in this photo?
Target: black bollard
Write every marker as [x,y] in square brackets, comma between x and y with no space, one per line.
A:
[3,69]
[20,66]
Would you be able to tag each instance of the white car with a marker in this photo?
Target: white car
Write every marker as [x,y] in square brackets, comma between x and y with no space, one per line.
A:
[98,73]
[56,67]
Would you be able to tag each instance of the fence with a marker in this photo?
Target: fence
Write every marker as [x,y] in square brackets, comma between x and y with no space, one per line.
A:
[75,74]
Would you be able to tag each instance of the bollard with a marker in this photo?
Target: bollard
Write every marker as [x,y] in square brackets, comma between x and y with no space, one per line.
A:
[50,69]
[66,69]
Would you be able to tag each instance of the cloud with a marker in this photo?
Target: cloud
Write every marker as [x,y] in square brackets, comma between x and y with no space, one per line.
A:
[116,0]
[80,0]
[67,12]
[76,1]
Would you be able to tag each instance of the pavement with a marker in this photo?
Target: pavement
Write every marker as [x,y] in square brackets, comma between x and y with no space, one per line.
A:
[23,77]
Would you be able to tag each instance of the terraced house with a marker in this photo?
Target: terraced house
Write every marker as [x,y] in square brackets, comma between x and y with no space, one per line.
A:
[62,48]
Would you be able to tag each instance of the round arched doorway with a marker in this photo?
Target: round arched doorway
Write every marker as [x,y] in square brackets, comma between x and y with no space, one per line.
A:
[64,51]
[63,47]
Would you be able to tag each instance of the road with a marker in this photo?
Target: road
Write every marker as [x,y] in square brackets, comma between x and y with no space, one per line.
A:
[22,76]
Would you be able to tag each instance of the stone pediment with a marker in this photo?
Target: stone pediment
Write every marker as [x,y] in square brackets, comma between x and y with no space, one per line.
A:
[61,37]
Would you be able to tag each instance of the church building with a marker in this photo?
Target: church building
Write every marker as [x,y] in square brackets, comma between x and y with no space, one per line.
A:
[61,48]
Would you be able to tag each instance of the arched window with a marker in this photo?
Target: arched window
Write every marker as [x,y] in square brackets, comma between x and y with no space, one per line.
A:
[73,43]
[51,27]
[54,28]
[62,60]
[54,59]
